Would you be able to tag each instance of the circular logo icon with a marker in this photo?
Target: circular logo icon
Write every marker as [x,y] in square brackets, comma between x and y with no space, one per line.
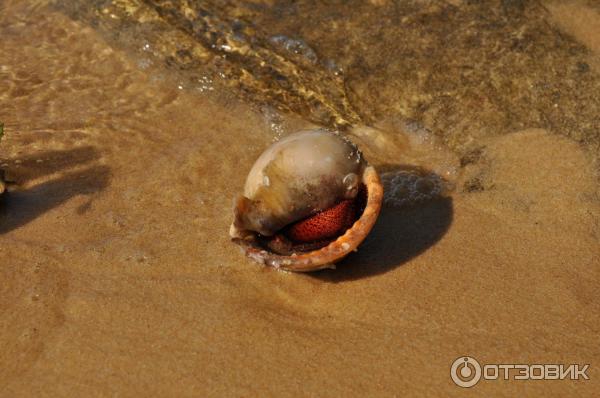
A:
[465,372]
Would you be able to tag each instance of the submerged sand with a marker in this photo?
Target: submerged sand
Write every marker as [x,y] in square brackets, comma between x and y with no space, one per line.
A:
[118,277]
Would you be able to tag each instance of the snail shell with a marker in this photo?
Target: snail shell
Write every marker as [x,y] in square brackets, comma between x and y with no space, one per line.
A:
[304,175]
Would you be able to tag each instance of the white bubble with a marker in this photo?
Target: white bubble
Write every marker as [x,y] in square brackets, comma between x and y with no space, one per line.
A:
[410,187]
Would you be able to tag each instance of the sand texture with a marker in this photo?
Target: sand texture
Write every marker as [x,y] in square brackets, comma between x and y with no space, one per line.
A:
[118,275]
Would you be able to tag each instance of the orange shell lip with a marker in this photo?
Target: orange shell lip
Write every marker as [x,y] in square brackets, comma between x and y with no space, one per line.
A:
[336,250]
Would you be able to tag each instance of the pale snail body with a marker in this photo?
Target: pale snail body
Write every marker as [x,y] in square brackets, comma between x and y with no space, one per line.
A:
[300,175]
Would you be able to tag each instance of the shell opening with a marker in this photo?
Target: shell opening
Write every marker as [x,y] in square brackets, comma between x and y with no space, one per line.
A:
[280,252]
[317,230]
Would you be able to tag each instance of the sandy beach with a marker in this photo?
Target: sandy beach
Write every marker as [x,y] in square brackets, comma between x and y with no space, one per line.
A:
[118,274]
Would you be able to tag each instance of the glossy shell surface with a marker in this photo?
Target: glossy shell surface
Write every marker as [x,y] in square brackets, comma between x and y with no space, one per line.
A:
[303,174]
[299,175]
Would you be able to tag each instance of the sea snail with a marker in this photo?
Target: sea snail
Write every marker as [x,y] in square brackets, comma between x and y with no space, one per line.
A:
[309,200]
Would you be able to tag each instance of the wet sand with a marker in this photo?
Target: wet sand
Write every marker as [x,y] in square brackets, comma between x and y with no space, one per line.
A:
[119,277]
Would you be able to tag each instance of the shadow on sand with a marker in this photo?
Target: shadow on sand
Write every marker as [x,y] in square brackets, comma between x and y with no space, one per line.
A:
[400,234]
[21,206]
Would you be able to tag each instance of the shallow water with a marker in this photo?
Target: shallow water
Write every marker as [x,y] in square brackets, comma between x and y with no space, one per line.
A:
[119,274]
